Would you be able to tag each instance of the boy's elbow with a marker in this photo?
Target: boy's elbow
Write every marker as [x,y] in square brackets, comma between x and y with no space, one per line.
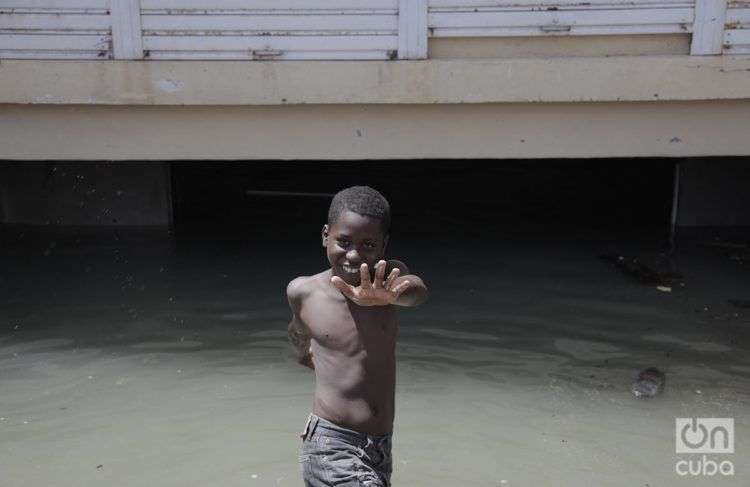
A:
[420,291]
[415,295]
[425,295]
[421,296]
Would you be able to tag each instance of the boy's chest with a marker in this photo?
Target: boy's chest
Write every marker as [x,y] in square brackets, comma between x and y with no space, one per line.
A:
[349,328]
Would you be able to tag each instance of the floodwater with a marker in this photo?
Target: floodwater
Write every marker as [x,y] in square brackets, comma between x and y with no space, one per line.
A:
[129,360]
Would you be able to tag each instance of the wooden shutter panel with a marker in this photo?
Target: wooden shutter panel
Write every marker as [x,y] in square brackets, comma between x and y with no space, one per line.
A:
[55,29]
[472,18]
[270,29]
[737,33]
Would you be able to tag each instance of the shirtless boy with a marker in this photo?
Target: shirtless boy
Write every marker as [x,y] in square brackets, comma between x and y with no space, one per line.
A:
[344,326]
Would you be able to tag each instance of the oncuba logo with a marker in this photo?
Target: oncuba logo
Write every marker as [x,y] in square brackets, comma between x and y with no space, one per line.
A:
[706,436]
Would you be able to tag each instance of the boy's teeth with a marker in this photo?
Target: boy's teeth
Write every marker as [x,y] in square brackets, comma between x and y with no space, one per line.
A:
[350,270]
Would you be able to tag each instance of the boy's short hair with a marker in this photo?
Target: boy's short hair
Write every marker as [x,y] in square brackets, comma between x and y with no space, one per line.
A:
[362,200]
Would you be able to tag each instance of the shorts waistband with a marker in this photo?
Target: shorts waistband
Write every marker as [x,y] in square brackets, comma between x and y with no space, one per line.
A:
[315,422]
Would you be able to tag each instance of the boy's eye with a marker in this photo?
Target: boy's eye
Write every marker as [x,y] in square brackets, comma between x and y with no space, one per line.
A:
[343,242]
[370,245]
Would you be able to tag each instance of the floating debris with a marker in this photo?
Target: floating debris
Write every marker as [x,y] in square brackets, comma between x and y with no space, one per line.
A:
[737,251]
[727,245]
[644,273]
[649,382]
[739,303]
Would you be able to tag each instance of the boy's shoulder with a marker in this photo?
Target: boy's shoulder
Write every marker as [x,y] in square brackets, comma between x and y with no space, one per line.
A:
[302,287]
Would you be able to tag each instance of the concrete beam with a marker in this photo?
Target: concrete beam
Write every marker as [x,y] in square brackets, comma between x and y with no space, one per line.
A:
[556,80]
[327,132]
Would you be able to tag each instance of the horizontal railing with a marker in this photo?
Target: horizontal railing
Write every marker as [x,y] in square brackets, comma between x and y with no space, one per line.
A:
[337,29]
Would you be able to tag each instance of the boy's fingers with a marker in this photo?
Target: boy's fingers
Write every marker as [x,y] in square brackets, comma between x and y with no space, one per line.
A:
[364,274]
[379,274]
[345,288]
[401,287]
[392,277]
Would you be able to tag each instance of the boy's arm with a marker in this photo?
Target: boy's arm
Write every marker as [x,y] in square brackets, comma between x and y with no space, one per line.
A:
[416,293]
[299,333]
[407,290]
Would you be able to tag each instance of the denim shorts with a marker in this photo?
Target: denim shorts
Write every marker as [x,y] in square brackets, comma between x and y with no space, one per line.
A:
[335,456]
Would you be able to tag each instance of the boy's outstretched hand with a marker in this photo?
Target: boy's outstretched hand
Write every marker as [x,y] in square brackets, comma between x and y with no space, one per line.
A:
[378,292]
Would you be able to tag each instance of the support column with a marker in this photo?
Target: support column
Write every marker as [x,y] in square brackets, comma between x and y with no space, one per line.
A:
[127,42]
[708,27]
[714,196]
[412,29]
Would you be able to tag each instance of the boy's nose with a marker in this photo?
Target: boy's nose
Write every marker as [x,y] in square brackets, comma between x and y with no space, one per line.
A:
[353,256]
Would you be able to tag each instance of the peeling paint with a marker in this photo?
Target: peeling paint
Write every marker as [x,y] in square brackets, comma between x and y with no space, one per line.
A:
[169,85]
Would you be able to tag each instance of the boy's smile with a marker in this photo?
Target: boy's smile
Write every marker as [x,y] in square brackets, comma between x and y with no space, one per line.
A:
[351,241]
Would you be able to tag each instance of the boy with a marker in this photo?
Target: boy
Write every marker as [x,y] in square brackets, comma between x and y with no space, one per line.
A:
[344,327]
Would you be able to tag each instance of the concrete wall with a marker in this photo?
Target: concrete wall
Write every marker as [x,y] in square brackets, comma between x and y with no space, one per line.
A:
[102,194]
[714,192]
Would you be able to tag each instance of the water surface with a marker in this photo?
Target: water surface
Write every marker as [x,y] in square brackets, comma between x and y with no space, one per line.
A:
[135,360]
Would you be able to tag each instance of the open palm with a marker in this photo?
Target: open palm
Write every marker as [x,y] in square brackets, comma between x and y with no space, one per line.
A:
[378,292]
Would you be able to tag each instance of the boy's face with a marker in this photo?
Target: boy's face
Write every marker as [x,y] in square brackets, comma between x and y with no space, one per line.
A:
[353,240]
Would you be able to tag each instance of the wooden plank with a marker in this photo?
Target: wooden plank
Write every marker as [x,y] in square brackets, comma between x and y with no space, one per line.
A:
[54,22]
[386,23]
[283,56]
[55,42]
[269,4]
[744,49]
[736,37]
[265,33]
[277,12]
[412,29]
[737,28]
[284,43]
[708,27]
[542,4]
[737,16]
[56,4]
[572,31]
[578,18]
[31,54]
[126,29]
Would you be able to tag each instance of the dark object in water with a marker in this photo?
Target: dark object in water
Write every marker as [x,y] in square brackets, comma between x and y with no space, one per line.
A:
[734,250]
[741,257]
[727,245]
[642,272]
[739,303]
[649,382]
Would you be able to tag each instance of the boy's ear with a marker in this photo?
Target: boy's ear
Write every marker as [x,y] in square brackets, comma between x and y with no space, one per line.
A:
[324,235]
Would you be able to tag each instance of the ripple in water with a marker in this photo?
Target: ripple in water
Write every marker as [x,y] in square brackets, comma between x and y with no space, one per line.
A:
[459,335]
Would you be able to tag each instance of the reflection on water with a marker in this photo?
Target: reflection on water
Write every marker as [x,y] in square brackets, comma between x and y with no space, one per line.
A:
[140,362]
